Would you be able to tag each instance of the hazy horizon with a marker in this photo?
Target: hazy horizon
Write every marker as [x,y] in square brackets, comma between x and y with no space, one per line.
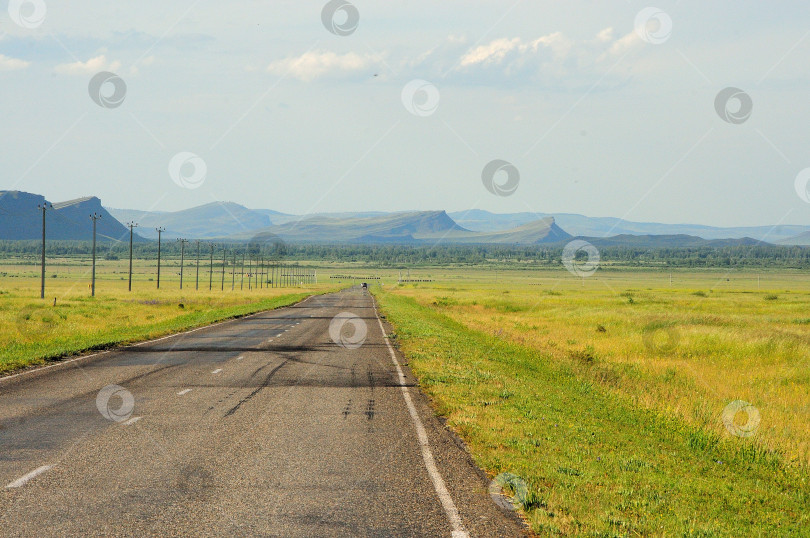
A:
[599,116]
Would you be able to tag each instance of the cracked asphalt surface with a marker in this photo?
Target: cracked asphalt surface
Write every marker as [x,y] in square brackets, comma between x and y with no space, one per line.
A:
[257,426]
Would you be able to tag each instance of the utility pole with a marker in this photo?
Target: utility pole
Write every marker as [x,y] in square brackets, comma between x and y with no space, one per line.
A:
[43,207]
[182,258]
[242,281]
[211,272]
[197,282]
[250,273]
[159,231]
[233,271]
[224,262]
[95,217]
[131,226]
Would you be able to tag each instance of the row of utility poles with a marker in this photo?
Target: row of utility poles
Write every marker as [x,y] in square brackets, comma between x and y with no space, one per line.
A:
[266,274]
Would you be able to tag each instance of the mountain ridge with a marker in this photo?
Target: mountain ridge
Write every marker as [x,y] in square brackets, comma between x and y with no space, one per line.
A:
[581,225]
[20,219]
[230,221]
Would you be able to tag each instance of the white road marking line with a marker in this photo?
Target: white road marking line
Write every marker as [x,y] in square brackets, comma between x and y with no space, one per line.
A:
[25,478]
[240,357]
[218,370]
[185,391]
[424,443]
[131,421]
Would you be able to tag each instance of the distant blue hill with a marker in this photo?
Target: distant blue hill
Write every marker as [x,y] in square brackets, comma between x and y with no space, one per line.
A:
[217,219]
[580,225]
[20,219]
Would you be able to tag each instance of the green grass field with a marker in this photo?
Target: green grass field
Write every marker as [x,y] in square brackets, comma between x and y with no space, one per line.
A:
[609,396]
[612,396]
[68,321]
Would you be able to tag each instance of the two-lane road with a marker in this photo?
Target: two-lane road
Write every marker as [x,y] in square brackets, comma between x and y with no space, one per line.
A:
[258,426]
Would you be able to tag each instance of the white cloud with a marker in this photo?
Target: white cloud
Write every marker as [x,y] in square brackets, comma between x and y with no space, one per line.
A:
[12,64]
[624,44]
[557,42]
[605,36]
[312,65]
[494,52]
[549,57]
[90,67]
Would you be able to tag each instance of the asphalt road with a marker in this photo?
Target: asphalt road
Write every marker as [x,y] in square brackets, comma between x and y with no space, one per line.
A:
[258,426]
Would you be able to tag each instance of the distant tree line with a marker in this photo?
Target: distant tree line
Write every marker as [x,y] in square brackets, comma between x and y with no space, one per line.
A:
[414,255]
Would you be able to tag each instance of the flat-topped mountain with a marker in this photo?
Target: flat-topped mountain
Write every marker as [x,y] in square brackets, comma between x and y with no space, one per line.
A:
[538,232]
[580,225]
[228,221]
[388,228]
[20,219]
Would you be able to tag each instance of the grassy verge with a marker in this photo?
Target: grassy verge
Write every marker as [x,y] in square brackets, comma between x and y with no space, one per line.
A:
[595,463]
[40,333]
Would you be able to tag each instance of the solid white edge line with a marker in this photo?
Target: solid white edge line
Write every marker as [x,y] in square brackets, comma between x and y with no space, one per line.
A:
[124,346]
[25,478]
[424,443]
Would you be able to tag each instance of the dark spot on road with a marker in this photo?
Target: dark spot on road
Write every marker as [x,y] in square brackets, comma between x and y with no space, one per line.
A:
[195,481]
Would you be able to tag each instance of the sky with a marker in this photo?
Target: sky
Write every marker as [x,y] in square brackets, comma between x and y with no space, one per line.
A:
[601,108]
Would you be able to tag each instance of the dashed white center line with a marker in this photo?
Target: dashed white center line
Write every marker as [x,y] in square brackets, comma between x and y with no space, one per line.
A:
[132,421]
[218,370]
[25,478]
[184,391]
